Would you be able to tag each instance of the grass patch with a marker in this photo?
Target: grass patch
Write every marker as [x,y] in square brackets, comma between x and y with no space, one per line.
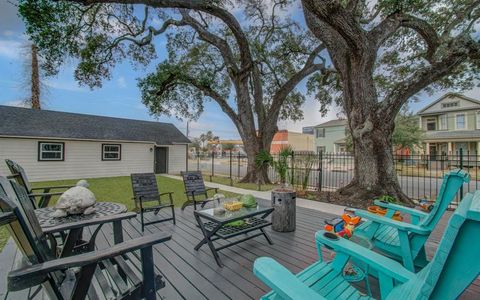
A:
[4,235]
[247,186]
[119,190]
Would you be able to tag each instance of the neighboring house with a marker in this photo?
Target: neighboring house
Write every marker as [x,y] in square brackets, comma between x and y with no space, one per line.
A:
[330,137]
[298,141]
[451,123]
[54,145]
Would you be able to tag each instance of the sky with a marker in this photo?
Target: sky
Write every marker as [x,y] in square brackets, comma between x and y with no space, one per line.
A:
[120,96]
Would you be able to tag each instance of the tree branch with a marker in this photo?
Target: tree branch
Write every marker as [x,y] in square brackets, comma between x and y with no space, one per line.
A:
[331,12]
[281,94]
[208,91]
[460,17]
[395,21]
[460,49]
[214,40]
[200,5]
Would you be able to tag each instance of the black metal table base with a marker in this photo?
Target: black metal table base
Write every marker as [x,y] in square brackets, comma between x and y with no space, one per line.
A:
[213,231]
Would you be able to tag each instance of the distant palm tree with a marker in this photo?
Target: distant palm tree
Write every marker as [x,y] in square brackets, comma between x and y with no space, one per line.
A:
[31,82]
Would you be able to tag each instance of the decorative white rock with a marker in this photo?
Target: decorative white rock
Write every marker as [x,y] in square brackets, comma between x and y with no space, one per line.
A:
[76,200]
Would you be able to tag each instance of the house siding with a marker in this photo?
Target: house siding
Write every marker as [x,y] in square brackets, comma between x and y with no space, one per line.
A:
[82,159]
[332,134]
[177,159]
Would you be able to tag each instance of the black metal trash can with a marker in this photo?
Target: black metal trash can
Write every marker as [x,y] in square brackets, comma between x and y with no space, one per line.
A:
[284,216]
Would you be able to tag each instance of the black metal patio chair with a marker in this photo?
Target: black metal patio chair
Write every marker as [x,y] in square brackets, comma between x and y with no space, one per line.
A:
[19,174]
[107,273]
[194,187]
[145,189]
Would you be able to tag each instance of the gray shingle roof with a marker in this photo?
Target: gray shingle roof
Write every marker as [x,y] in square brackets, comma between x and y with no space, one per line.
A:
[338,122]
[457,134]
[27,122]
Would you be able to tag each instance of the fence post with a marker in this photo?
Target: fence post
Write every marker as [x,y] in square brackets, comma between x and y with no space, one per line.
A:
[461,168]
[213,166]
[238,165]
[292,181]
[231,180]
[320,171]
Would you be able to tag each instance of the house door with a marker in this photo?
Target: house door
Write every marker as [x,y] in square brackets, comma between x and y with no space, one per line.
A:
[161,154]
[433,152]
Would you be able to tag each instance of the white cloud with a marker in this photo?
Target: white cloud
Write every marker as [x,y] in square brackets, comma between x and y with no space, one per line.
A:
[121,82]
[70,86]
[8,33]
[10,49]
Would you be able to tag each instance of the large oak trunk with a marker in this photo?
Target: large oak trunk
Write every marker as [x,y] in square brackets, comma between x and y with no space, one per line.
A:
[255,174]
[375,173]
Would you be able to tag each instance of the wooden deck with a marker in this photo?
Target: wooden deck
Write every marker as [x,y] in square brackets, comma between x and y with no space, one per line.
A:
[195,275]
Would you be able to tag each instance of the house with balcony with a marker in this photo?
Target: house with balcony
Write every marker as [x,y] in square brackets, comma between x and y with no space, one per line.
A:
[330,137]
[451,123]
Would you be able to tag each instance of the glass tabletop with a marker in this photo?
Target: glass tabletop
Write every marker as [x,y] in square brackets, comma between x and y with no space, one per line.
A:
[231,215]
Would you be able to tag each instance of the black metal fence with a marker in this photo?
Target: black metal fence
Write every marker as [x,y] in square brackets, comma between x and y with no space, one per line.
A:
[420,176]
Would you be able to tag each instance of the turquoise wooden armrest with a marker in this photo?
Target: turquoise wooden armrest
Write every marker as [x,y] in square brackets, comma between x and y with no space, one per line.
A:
[403,209]
[381,263]
[390,222]
[282,281]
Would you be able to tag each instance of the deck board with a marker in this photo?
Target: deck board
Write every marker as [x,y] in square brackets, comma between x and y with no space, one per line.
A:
[191,274]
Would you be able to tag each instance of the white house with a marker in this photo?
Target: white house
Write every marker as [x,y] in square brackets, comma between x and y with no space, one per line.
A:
[52,145]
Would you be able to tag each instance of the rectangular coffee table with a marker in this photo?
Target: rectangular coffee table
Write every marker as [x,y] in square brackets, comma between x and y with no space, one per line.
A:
[215,227]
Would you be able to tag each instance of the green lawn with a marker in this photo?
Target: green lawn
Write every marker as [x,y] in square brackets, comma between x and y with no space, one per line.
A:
[117,189]
[248,186]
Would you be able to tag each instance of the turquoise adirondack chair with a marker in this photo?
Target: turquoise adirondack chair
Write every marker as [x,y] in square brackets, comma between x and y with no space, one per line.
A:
[403,241]
[453,268]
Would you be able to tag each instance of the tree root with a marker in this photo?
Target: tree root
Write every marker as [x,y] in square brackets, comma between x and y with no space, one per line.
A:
[354,189]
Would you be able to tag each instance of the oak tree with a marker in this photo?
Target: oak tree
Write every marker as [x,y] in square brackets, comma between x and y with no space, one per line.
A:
[246,56]
[385,53]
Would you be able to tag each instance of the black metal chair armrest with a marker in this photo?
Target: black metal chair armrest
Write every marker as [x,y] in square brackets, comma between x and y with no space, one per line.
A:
[36,274]
[209,189]
[6,218]
[166,193]
[45,194]
[53,187]
[90,222]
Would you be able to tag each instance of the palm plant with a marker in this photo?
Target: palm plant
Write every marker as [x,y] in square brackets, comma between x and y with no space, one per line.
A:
[281,164]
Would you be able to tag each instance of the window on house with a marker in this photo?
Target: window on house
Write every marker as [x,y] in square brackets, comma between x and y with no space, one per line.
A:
[460,121]
[111,152]
[431,124]
[450,104]
[478,119]
[320,132]
[443,122]
[50,151]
